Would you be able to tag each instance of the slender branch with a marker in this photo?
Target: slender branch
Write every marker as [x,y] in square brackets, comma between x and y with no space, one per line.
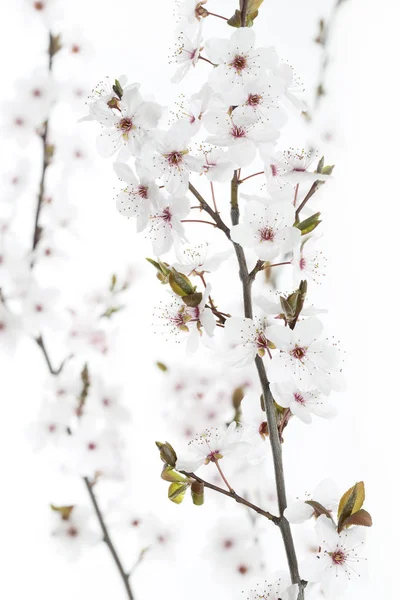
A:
[197,221]
[40,342]
[307,197]
[250,176]
[107,539]
[213,197]
[274,436]
[45,160]
[205,206]
[232,494]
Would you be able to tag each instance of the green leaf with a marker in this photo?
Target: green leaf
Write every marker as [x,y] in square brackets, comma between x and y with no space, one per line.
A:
[193,300]
[180,284]
[64,511]
[113,282]
[320,165]
[168,474]
[361,517]
[237,397]
[162,366]
[117,88]
[177,491]
[251,14]
[328,169]
[309,224]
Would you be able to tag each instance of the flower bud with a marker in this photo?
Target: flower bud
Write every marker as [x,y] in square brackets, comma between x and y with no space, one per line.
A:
[197,490]
[167,453]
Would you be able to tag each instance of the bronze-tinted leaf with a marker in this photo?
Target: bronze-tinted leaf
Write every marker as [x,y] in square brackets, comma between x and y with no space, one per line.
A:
[193,300]
[350,503]
[319,509]
[361,517]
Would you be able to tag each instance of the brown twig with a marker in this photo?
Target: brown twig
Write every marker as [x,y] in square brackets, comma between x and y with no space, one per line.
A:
[232,494]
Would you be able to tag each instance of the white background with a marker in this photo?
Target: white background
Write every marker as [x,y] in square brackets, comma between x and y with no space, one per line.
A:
[361,231]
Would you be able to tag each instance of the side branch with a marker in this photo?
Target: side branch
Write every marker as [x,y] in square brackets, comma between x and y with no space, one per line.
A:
[232,494]
[205,206]
[107,539]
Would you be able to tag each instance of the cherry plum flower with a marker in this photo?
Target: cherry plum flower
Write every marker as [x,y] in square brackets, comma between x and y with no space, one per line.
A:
[237,59]
[302,403]
[192,111]
[292,87]
[187,53]
[73,532]
[326,493]
[308,261]
[212,446]
[304,355]
[128,126]
[139,197]
[192,10]
[165,224]
[197,259]
[339,559]
[239,132]
[190,321]
[245,339]
[280,589]
[173,162]
[267,229]
[217,165]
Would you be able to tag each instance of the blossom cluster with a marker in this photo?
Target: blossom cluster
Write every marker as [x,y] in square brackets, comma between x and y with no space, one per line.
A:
[223,136]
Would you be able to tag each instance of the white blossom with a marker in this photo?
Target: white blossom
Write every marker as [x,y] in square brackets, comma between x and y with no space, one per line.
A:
[339,560]
[139,197]
[165,223]
[268,229]
[302,403]
[326,493]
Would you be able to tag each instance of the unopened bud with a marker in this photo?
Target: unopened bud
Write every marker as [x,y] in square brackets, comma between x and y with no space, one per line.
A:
[167,453]
[197,490]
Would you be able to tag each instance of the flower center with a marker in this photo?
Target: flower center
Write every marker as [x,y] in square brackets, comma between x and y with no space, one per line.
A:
[166,215]
[274,170]
[299,398]
[126,125]
[228,544]
[36,93]
[243,569]
[72,532]
[238,132]
[338,557]
[253,99]
[239,63]
[298,352]
[174,158]
[302,263]
[91,446]
[38,5]
[267,234]
[142,191]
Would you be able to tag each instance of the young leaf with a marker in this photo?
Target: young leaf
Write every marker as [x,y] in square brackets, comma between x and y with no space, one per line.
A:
[168,474]
[177,491]
[350,503]
[319,509]
[361,517]
[180,284]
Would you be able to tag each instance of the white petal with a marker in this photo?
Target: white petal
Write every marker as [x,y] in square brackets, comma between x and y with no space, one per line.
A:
[298,512]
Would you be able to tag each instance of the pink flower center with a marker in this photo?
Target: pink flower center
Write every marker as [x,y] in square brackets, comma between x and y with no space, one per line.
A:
[36,93]
[38,5]
[39,308]
[298,352]
[213,456]
[228,544]
[267,234]
[261,340]
[142,191]
[75,49]
[166,215]
[242,569]
[238,132]
[302,263]
[253,100]
[106,402]
[2,326]
[19,122]
[52,428]
[72,531]
[174,158]
[125,125]
[91,446]
[239,63]
[299,398]
[338,557]
[274,170]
